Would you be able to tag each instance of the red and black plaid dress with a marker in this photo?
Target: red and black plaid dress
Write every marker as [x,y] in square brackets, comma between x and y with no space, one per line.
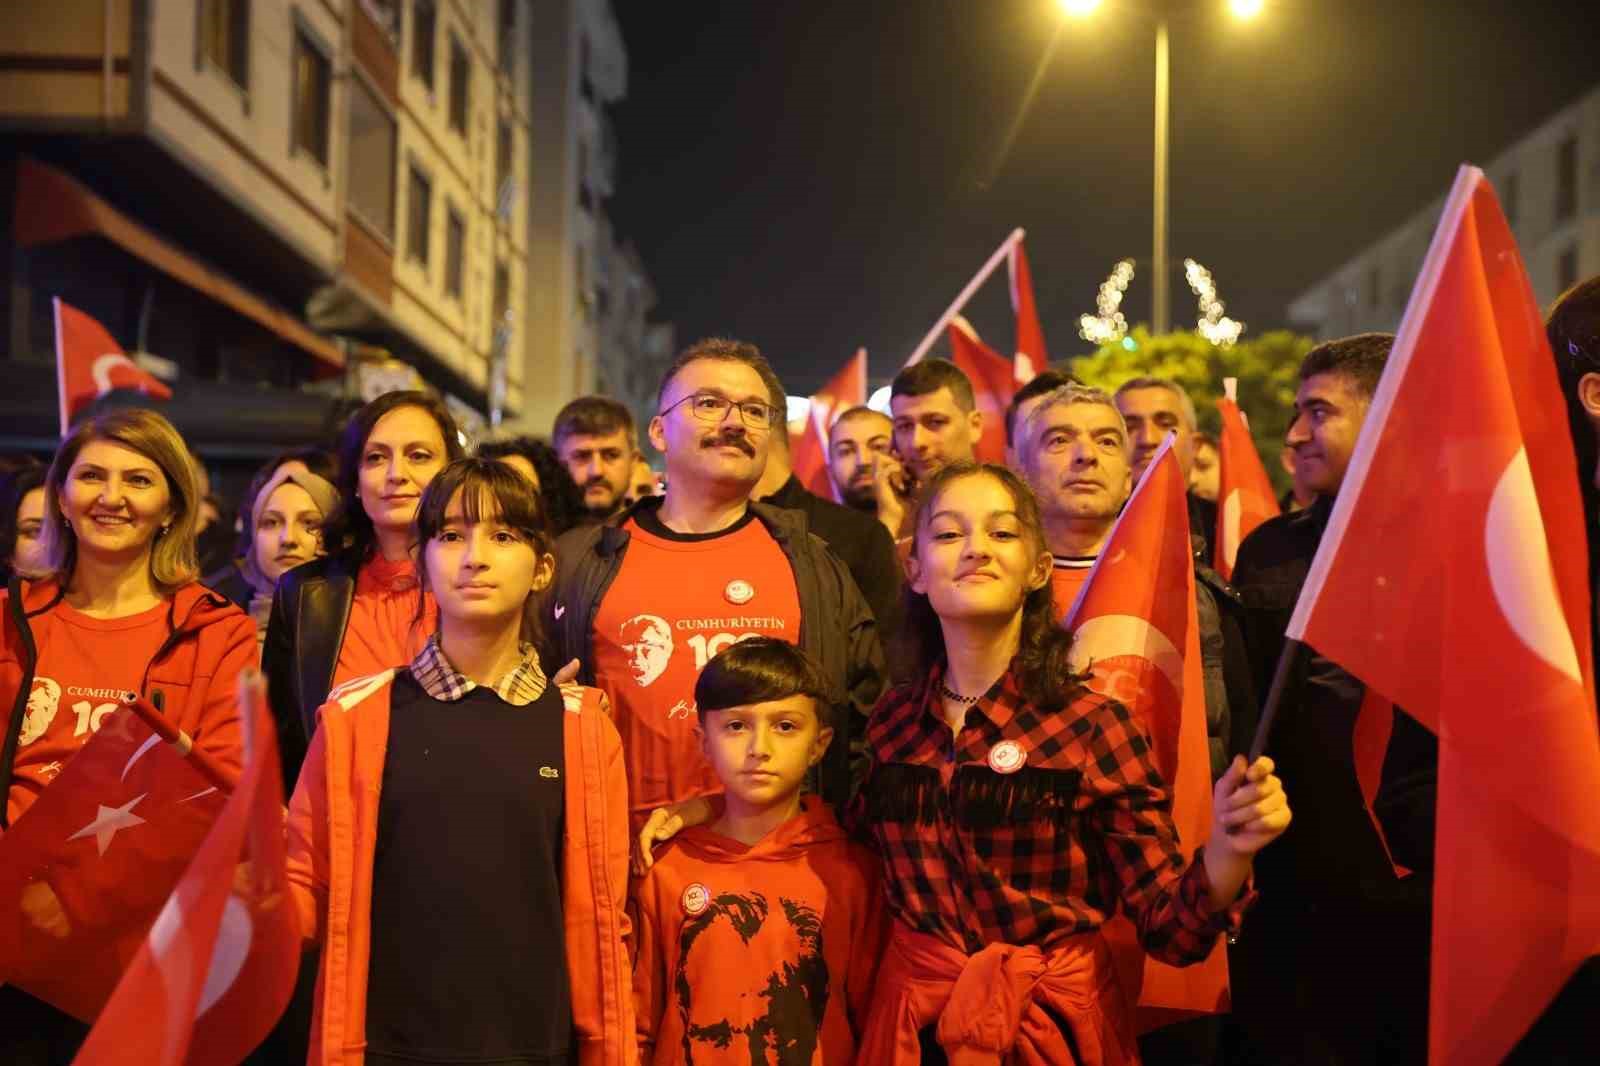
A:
[974,856]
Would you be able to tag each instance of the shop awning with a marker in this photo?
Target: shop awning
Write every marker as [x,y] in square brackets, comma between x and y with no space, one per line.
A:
[52,206]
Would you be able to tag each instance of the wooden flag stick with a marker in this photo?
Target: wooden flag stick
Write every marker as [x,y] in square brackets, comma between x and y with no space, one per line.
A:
[216,775]
[1280,677]
[978,279]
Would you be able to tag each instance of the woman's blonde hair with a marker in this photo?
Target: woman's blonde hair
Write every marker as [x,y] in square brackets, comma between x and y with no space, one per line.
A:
[173,560]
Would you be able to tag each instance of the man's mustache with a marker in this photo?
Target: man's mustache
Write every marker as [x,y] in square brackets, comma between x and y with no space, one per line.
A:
[733,440]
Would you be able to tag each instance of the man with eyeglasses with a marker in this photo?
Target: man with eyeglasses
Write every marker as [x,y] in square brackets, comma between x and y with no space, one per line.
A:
[714,568]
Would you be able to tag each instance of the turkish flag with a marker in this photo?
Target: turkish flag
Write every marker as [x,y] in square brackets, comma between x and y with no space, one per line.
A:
[85,870]
[1135,629]
[1244,494]
[1453,580]
[216,970]
[90,364]
[992,386]
[809,454]
[1031,356]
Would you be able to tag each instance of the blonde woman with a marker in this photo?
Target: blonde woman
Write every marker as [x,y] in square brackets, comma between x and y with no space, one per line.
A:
[118,609]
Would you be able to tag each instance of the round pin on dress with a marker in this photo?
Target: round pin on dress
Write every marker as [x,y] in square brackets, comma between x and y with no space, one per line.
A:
[696,898]
[1007,757]
[739,592]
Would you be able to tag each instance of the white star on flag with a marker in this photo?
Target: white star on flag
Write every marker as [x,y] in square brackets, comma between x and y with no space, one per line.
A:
[109,821]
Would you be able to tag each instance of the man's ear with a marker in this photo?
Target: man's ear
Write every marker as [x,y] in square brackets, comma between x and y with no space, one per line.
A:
[1589,396]
[975,424]
[657,432]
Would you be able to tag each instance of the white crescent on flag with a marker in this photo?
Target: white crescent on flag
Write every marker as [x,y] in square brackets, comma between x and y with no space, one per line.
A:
[1520,571]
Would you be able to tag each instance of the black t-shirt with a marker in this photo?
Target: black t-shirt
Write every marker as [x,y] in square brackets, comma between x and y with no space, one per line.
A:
[468,960]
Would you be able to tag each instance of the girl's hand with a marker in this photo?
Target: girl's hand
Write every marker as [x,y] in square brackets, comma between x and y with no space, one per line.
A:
[1249,808]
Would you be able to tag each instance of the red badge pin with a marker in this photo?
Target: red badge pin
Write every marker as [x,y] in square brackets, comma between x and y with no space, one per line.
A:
[696,898]
[1007,757]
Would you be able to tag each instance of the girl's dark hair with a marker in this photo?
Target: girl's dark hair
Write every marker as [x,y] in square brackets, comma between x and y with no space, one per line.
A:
[761,670]
[1044,675]
[489,489]
[349,531]
[563,499]
[13,487]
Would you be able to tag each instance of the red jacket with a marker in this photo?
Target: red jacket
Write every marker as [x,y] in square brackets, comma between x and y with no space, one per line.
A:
[193,678]
[333,824]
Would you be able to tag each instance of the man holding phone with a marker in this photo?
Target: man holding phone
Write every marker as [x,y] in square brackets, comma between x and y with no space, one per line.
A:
[936,423]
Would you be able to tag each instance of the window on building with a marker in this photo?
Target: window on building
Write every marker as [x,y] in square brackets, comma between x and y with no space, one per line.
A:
[455,254]
[1567,269]
[502,156]
[1510,195]
[1567,179]
[502,294]
[419,214]
[1374,288]
[372,158]
[508,34]
[313,86]
[460,85]
[225,38]
[424,22]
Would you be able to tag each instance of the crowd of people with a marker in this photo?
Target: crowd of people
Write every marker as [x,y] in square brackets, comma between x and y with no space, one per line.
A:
[591,764]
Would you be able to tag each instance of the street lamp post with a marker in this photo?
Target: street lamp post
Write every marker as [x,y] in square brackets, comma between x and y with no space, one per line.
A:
[1161,293]
[1161,307]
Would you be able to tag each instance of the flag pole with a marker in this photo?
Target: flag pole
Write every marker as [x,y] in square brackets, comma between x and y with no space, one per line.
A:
[966,294]
[1280,678]
[216,775]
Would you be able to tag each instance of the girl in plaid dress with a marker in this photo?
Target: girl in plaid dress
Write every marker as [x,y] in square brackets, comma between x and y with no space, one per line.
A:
[1015,810]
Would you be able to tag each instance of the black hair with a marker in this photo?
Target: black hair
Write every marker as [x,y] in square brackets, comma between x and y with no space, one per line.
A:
[488,489]
[1574,332]
[761,670]
[1044,673]
[929,376]
[1046,381]
[562,498]
[593,416]
[349,532]
[14,486]
[1360,358]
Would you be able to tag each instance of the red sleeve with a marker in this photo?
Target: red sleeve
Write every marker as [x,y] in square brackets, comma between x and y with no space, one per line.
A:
[868,936]
[216,730]
[650,963]
[306,850]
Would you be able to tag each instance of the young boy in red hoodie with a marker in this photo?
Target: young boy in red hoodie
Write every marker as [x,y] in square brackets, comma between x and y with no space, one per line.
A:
[760,933]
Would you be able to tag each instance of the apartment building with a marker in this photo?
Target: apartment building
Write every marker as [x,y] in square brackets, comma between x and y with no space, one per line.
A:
[1548,183]
[262,193]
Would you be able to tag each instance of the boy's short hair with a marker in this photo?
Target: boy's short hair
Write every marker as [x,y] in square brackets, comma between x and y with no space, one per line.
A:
[761,670]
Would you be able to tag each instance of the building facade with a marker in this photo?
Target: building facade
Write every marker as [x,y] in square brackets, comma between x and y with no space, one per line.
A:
[264,192]
[1549,186]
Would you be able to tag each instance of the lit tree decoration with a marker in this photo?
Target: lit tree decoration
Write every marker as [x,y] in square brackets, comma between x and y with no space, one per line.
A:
[1108,325]
[1214,326]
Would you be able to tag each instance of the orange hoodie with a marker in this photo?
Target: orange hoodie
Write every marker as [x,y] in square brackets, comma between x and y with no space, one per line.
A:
[193,676]
[333,824]
[759,953]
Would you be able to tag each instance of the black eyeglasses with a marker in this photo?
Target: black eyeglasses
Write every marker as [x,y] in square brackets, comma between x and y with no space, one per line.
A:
[709,407]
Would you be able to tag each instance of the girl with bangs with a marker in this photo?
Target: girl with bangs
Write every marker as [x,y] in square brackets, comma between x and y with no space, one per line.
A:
[458,841]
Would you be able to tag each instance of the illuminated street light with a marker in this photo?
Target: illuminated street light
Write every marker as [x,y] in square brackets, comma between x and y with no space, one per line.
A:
[1246,9]
[1079,8]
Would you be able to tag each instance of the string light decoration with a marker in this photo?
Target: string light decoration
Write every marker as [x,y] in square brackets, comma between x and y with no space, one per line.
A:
[1108,324]
[1213,325]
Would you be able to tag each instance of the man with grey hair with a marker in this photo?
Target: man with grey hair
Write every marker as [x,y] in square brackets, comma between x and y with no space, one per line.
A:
[1073,451]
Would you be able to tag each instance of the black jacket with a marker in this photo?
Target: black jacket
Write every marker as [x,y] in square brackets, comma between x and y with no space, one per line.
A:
[860,541]
[230,581]
[310,610]
[1332,965]
[836,625]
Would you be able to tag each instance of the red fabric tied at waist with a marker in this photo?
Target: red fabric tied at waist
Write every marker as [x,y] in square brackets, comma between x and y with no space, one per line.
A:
[1005,1005]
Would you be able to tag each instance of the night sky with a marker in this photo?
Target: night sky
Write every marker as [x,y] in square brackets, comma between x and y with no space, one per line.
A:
[817,176]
